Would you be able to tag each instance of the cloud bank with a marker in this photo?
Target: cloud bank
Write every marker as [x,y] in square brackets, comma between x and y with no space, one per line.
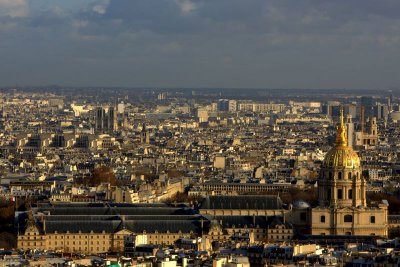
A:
[201,43]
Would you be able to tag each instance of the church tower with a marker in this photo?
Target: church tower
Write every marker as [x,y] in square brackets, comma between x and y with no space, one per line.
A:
[340,183]
[144,135]
[342,206]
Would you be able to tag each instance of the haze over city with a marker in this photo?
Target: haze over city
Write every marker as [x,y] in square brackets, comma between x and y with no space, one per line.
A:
[200,44]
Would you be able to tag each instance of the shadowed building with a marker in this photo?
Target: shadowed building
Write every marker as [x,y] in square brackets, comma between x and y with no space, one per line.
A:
[245,205]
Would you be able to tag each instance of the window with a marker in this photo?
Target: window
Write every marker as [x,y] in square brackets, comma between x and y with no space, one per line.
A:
[339,175]
[348,218]
[323,218]
[350,194]
[303,216]
[349,175]
[340,194]
[329,194]
[372,219]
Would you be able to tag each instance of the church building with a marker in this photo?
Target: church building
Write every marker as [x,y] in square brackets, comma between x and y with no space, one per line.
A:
[342,206]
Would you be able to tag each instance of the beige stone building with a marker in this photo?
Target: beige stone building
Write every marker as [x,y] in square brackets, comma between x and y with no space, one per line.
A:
[342,208]
[99,228]
[85,242]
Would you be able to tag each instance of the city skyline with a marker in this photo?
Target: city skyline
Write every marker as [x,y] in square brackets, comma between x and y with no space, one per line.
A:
[195,44]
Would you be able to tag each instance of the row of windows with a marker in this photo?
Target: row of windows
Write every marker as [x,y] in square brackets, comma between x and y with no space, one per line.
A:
[78,242]
[79,236]
[349,218]
[340,194]
[278,237]
[339,175]
[280,231]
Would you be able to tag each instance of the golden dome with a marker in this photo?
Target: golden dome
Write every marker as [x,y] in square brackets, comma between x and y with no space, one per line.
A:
[341,155]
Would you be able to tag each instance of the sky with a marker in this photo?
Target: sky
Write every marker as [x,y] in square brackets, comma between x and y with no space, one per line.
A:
[201,43]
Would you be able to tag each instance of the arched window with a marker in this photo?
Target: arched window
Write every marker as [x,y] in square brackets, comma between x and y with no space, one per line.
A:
[340,194]
[349,176]
[348,218]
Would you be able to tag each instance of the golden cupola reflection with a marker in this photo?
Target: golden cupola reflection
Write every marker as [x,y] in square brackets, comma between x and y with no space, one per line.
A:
[341,155]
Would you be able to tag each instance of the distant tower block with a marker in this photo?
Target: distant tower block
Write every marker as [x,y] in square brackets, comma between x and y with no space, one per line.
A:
[350,130]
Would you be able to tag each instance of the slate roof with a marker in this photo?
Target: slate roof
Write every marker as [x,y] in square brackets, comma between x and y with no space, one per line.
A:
[173,226]
[257,202]
[118,217]
[101,204]
[112,218]
[74,226]
[112,226]
[81,210]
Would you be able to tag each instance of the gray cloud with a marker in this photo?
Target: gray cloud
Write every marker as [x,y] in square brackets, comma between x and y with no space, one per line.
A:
[203,43]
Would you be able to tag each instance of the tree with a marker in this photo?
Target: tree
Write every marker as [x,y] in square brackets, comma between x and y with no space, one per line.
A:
[8,240]
[101,174]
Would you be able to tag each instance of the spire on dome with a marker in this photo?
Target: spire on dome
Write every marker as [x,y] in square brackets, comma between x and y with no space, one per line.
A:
[341,136]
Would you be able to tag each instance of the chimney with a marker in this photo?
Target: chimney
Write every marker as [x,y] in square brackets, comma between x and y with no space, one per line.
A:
[123,221]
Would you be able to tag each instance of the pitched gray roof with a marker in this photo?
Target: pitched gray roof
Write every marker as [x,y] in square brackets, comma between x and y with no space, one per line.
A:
[74,226]
[173,226]
[81,210]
